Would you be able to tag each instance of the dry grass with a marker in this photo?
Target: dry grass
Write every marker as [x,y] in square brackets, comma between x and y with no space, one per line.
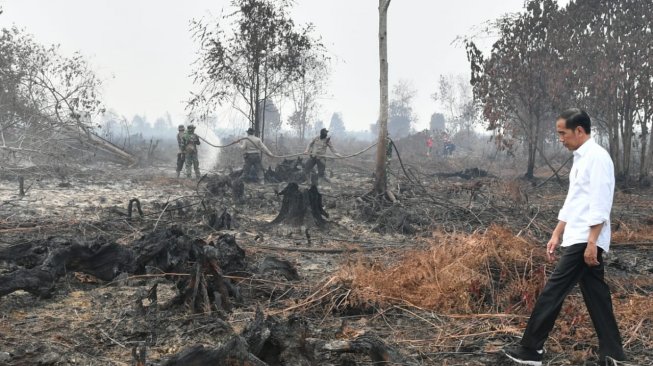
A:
[633,233]
[492,276]
[490,271]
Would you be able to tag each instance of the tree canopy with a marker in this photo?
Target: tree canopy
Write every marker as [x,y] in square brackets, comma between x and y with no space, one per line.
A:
[591,54]
[252,53]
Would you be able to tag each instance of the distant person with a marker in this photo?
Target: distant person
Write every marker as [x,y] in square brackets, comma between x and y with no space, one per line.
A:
[317,152]
[429,145]
[449,146]
[584,225]
[190,142]
[180,154]
[252,148]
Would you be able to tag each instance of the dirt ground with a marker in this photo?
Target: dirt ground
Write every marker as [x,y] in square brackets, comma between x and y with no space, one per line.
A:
[88,321]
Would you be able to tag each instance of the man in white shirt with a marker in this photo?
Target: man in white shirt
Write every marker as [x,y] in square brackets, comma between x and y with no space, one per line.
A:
[584,224]
[252,148]
[316,150]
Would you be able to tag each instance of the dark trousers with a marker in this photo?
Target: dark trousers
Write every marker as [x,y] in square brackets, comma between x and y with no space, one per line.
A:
[192,162]
[571,269]
[253,161]
[311,162]
[180,161]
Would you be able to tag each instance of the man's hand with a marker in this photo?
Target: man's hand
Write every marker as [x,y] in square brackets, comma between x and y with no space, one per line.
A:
[591,255]
[551,247]
[305,152]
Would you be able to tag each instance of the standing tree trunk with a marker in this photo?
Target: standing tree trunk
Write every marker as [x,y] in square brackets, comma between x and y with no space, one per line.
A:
[643,154]
[380,181]
[648,116]
[255,100]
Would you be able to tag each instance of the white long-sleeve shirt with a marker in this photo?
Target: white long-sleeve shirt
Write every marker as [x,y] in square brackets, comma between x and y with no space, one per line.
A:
[589,199]
[254,145]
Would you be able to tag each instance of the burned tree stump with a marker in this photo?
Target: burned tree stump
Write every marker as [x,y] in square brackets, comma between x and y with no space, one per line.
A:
[301,207]
[222,221]
[206,289]
[219,185]
[279,342]
[289,170]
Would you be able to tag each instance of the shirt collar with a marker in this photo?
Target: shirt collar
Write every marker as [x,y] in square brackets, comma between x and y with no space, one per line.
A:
[584,148]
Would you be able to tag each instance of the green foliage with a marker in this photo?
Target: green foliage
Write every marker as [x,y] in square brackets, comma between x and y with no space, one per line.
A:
[252,53]
[591,54]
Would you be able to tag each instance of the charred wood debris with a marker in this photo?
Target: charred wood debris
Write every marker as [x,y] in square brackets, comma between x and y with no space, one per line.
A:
[189,244]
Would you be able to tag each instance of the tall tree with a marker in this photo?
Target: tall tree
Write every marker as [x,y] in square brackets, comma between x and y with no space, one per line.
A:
[249,55]
[401,116]
[43,94]
[515,83]
[454,94]
[305,93]
[271,116]
[337,125]
[437,122]
[380,181]
[610,45]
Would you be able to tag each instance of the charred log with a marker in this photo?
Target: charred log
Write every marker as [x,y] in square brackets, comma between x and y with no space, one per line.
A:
[232,353]
[164,251]
[466,174]
[104,261]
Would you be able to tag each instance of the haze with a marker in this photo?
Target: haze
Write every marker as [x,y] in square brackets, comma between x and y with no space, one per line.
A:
[143,49]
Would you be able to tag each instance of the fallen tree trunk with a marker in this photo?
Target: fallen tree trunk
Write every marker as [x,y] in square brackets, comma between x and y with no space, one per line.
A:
[233,353]
[104,262]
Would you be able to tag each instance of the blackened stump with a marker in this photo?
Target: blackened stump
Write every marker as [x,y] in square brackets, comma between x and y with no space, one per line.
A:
[301,207]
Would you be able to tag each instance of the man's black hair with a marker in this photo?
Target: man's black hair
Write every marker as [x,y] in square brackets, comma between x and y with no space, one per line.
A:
[575,117]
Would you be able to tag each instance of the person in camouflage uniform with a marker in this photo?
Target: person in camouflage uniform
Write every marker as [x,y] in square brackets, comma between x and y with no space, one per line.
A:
[181,157]
[190,142]
[316,150]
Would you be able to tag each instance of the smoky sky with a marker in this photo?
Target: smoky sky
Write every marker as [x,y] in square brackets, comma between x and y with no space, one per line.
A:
[143,49]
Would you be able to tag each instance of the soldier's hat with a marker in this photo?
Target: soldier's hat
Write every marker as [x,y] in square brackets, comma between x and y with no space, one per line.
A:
[191,127]
[180,128]
[250,131]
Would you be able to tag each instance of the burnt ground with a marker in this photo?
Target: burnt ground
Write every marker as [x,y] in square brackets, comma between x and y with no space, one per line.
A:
[89,321]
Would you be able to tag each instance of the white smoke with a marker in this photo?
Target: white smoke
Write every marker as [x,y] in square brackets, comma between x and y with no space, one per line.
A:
[208,155]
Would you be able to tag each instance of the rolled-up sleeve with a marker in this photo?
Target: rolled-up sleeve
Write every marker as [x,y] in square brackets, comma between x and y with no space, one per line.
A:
[563,215]
[601,191]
